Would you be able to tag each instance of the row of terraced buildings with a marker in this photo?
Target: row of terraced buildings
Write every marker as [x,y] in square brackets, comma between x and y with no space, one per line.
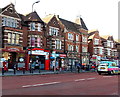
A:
[50,41]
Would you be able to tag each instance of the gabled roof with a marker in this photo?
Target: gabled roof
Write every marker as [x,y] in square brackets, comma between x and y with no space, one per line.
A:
[83,24]
[92,33]
[103,39]
[33,16]
[70,26]
[7,6]
[9,10]
[105,36]
[48,18]
[91,36]
[80,21]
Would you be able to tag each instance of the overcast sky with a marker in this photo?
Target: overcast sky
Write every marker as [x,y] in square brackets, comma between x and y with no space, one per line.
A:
[97,14]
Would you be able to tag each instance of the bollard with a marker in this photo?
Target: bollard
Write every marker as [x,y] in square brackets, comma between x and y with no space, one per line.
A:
[39,69]
[2,70]
[30,68]
[23,70]
[14,70]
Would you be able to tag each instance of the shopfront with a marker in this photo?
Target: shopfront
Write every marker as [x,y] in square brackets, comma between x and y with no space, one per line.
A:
[13,56]
[38,58]
[58,60]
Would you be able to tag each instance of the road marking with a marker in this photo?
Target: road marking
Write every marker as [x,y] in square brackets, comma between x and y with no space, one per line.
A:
[40,84]
[79,79]
[90,78]
[107,76]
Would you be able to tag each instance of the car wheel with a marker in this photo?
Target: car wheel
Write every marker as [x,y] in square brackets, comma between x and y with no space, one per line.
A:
[99,73]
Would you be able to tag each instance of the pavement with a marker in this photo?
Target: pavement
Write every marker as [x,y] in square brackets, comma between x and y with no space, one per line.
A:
[37,72]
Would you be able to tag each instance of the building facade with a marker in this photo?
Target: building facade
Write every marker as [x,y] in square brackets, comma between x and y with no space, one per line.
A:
[95,47]
[12,38]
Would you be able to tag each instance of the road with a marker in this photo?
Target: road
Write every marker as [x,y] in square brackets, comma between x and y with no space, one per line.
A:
[61,84]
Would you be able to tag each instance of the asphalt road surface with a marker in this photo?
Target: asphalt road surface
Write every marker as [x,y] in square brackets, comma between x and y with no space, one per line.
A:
[61,84]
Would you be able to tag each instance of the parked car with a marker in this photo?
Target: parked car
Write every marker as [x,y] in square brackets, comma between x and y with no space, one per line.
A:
[108,67]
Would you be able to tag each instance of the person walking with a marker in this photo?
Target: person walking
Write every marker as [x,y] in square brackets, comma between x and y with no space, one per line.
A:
[78,67]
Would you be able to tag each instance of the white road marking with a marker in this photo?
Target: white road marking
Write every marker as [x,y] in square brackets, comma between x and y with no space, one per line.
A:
[107,76]
[90,78]
[40,84]
[79,79]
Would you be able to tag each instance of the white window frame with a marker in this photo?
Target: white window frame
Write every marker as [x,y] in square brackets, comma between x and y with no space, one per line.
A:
[77,37]
[32,26]
[39,27]
[96,41]
[53,31]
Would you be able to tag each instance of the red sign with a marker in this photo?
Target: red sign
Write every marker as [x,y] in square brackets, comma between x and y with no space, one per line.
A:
[13,49]
[62,55]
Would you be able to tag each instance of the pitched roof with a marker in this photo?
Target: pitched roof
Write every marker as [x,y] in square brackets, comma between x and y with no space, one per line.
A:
[91,36]
[70,26]
[33,16]
[7,6]
[47,18]
[83,24]
[92,32]
[80,21]
[105,36]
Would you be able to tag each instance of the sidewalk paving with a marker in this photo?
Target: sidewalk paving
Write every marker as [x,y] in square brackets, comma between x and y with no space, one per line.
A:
[36,72]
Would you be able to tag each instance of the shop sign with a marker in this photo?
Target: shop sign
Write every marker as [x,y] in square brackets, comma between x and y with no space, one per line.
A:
[14,49]
[38,52]
[62,55]
[55,55]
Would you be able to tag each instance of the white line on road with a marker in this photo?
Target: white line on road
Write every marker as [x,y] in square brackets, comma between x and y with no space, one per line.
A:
[79,79]
[90,78]
[107,76]
[40,84]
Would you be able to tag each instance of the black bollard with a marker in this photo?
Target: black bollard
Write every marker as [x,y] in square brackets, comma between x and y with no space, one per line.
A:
[30,68]
[14,70]
[2,70]
[39,69]
[23,70]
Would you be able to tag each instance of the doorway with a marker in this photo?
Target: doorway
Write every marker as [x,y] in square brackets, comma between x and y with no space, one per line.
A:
[12,60]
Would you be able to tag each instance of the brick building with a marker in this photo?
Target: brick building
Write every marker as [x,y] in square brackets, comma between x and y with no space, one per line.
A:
[95,47]
[72,37]
[12,38]
[84,54]
[55,41]
[110,47]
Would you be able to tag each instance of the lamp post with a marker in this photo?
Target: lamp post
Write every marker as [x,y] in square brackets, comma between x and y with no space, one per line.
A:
[31,36]
[34,3]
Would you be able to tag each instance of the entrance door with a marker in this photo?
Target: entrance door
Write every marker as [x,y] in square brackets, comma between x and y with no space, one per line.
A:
[12,60]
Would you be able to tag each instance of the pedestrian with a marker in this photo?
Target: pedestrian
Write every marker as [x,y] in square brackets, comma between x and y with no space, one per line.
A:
[78,67]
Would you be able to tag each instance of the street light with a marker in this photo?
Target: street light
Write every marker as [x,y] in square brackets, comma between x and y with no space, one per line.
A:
[34,3]
[31,36]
